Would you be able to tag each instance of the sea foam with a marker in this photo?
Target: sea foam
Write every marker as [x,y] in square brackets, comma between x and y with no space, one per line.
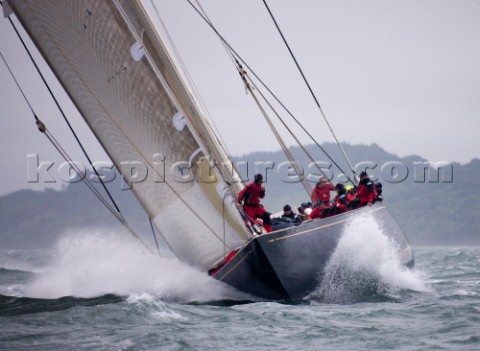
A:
[98,263]
[365,265]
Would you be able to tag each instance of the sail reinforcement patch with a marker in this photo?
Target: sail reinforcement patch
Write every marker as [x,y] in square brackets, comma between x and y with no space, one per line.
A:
[137,51]
[179,121]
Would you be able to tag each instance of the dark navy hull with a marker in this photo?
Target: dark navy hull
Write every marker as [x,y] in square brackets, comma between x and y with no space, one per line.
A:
[288,264]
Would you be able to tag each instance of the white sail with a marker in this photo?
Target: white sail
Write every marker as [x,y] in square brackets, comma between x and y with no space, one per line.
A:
[114,66]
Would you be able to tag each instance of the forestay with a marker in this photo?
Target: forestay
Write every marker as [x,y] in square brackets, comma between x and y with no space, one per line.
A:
[117,71]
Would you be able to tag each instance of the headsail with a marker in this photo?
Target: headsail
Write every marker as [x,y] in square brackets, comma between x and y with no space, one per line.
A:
[114,66]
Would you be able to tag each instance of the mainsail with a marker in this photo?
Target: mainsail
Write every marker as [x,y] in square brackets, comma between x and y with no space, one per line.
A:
[119,74]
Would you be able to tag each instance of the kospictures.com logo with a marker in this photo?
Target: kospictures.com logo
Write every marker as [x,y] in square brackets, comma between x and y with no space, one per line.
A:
[159,169]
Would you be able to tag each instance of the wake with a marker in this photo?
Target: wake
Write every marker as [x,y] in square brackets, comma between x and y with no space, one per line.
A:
[366,267]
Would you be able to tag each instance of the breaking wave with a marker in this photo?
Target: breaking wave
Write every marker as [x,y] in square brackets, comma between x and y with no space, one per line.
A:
[95,264]
[365,267]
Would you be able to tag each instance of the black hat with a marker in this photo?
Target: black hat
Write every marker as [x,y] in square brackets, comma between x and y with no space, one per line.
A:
[287,208]
[339,186]
[309,204]
[304,204]
[258,177]
[378,185]
[363,174]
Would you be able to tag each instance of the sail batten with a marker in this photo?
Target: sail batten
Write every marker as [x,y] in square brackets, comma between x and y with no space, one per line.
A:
[129,102]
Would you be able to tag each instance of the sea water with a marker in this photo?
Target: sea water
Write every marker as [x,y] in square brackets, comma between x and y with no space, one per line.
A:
[101,291]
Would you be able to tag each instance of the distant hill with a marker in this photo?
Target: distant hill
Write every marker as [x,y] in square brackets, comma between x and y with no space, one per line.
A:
[35,219]
[441,210]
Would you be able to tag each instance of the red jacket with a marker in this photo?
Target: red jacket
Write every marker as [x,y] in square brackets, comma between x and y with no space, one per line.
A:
[366,191]
[350,197]
[341,203]
[322,193]
[251,194]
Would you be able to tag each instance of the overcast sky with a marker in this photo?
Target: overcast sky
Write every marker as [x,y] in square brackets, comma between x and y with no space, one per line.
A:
[404,74]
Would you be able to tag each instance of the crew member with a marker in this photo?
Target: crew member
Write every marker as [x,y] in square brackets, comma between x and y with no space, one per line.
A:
[339,203]
[251,195]
[365,192]
[351,191]
[304,210]
[289,215]
[379,197]
[321,192]
[318,210]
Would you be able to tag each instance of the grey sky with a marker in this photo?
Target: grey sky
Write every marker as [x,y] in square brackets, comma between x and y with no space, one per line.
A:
[404,74]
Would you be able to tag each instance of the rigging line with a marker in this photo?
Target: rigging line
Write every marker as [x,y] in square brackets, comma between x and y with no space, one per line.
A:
[224,220]
[309,156]
[253,224]
[209,21]
[309,87]
[270,91]
[18,85]
[63,114]
[306,184]
[229,54]
[154,236]
[40,125]
[232,59]
[77,170]
[119,216]
[67,158]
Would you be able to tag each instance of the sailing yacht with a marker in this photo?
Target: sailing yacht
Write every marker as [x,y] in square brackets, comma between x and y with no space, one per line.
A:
[127,85]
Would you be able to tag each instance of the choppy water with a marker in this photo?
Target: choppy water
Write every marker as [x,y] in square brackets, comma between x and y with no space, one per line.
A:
[97,291]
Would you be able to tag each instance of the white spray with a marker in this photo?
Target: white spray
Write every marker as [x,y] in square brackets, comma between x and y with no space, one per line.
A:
[365,265]
[94,264]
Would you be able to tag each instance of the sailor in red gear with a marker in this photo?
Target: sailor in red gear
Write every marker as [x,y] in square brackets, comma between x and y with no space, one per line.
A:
[321,192]
[351,190]
[251,195]
[365,192]
[339,204]
[341,201]
[318,210]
